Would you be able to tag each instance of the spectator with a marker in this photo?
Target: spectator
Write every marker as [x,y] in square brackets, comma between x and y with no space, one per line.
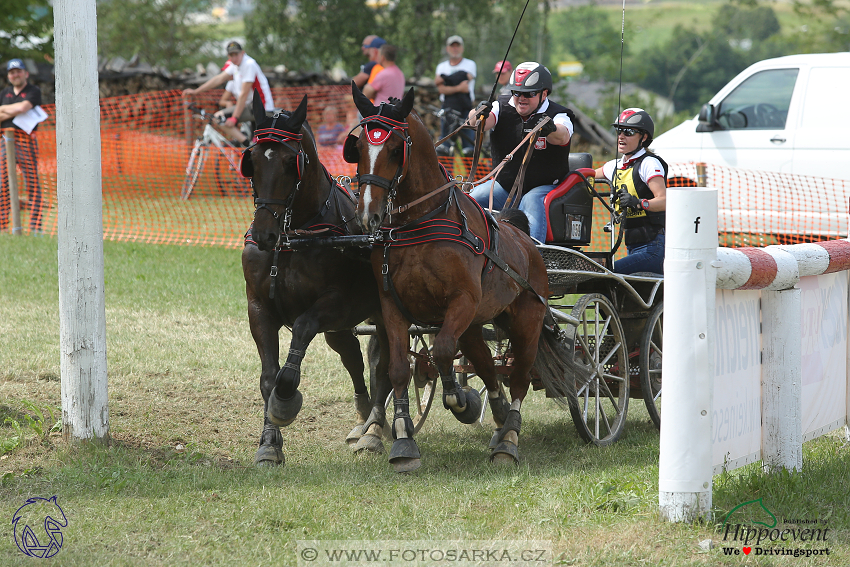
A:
[17,99]
[456,82]
[510,118]
[331,130]
[247,76]
[371,45]
[503,77]
[389,83]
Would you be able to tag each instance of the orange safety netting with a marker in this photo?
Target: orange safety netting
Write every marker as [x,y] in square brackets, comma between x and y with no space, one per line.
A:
[146,141]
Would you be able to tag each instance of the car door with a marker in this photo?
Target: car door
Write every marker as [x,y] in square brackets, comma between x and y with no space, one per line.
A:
[752,129]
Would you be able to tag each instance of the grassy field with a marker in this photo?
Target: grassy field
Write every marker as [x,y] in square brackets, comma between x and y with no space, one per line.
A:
[177,485]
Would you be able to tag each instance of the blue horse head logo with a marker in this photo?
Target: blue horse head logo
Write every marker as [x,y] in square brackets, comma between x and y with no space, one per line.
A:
[37,526]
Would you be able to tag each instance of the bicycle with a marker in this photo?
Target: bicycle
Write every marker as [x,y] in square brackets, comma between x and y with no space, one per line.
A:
[228,182]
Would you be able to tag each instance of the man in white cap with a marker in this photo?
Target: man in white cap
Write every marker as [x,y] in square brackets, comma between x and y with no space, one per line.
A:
[17,99]
[456,82]
[247,76]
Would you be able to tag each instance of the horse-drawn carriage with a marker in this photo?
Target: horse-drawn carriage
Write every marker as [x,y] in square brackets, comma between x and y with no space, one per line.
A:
[475,295]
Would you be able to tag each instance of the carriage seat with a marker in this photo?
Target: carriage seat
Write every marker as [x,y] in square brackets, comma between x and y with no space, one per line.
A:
[569,206]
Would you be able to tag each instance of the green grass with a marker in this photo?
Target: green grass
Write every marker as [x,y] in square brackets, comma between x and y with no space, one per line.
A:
[177,486]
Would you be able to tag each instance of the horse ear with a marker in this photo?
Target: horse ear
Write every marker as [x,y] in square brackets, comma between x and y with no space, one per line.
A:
[298,116]
[259,108]
[362,102]
[407,103]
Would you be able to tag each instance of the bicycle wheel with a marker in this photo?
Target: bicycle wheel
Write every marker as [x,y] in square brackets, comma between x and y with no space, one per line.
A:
[193,169]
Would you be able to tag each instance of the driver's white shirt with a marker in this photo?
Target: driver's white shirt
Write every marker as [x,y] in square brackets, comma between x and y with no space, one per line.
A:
[249,72]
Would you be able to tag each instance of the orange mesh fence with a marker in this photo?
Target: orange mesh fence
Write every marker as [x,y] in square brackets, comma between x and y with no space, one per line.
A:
[146,141]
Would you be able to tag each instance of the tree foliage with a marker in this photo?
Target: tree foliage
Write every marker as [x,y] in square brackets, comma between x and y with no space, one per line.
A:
[159,31]
[27,29]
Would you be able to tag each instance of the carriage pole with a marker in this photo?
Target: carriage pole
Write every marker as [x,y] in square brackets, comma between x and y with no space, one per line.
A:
[82,314]
[685,464]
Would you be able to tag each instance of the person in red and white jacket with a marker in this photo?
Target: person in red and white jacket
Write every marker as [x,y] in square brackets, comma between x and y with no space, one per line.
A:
[247,76]
[639,186]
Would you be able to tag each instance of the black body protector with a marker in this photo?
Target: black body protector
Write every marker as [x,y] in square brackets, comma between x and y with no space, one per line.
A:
[549,164]
[641,226]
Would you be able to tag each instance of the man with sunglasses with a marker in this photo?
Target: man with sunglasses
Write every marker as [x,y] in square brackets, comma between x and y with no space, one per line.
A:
[511,118]
[639,185]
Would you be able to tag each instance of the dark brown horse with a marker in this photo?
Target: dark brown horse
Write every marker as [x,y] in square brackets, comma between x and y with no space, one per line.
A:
[321,290]
[444,262]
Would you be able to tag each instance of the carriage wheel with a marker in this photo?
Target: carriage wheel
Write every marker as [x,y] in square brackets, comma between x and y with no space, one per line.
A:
[422,384]
[193,169]
[602,390]
[650,363]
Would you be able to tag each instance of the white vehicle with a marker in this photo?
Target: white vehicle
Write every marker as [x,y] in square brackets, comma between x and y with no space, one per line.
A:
[783,115]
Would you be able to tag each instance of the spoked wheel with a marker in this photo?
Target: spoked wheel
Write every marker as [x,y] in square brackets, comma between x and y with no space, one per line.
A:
[193,169]
[650,363]
[422,385]
[602,390]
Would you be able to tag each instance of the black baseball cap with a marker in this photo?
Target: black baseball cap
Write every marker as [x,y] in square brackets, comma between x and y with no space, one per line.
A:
[234,47]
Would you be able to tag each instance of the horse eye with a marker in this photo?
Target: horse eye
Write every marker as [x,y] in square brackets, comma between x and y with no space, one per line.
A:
[396,153]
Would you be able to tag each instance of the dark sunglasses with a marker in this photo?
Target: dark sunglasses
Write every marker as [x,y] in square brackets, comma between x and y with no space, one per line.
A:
[531,94]
[628,132]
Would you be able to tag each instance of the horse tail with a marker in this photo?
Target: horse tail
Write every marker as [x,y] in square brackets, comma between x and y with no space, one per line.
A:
[554,364]
[515,217]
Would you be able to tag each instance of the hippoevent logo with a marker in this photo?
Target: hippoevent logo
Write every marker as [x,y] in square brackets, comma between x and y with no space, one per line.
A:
[38,527]
[764,536]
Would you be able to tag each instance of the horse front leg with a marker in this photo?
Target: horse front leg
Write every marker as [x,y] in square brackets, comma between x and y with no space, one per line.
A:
[373,429]
[465,405]
[264,329]
[285,399]
[346,345]
[404,454]
[526,322]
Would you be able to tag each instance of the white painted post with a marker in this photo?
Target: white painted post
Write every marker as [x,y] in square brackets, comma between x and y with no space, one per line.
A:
[782,386]
[82,314]
[685,465]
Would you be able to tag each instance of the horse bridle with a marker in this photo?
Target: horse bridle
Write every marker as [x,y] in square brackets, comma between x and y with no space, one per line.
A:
[273,134]
[392,127]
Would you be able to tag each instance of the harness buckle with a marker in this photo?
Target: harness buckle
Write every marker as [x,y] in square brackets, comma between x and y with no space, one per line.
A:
[273,272]
[385,269]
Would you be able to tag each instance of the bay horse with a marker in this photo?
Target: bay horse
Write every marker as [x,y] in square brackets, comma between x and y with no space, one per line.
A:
[320,290]
[441,260]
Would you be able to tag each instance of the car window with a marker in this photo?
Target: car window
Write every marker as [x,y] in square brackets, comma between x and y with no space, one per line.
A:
[759,103]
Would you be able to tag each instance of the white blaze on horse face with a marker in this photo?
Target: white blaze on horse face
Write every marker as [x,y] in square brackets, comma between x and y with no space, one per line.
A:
[268,153]
[374,152]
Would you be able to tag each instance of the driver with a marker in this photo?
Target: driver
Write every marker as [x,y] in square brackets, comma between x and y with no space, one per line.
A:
[639,183]
[511,118]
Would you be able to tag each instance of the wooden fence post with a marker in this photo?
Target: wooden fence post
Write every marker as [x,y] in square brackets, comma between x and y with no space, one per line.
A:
[11,169]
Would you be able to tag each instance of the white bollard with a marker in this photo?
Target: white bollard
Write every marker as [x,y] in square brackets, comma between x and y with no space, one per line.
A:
[685,464]
[82,313]
[782,381]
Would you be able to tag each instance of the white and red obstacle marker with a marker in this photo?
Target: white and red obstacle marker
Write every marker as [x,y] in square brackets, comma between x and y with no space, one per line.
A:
[755,353]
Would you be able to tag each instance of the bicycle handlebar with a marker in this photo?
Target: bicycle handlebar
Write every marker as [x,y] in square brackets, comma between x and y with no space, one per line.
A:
[203,114]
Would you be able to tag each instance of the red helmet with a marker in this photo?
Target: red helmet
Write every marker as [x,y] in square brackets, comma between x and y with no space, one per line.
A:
[503,67]
[639,119]
[529,77]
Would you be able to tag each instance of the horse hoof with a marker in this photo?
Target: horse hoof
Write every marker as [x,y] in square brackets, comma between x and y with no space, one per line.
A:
[269,456]
[354,435]
[370,444]
[505,453]
[494,440]
[473,408]
[283,412]
[405,465]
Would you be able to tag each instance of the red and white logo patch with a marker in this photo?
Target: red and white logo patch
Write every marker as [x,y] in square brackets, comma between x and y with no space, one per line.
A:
[540,144]
[377,136]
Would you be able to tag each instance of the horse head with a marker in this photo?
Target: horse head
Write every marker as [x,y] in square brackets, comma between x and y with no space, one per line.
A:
[283,164]
[382,154]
